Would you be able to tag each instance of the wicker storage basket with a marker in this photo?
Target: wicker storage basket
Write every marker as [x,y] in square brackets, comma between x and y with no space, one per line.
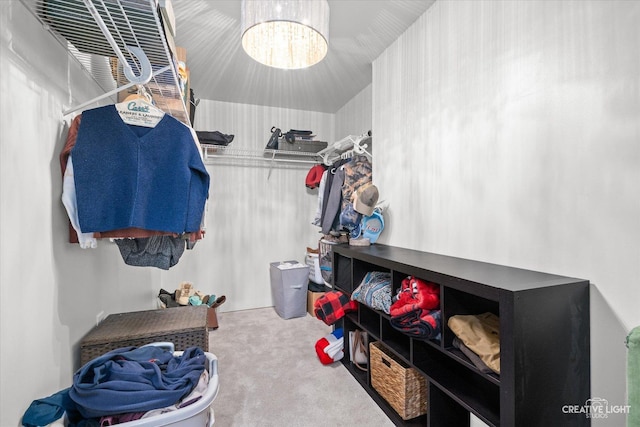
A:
[183,326]
[403,387]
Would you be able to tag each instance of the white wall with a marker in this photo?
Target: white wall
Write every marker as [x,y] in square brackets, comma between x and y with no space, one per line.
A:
[354,118]
[509,132]
[259,212]
[51,291]
[522,124]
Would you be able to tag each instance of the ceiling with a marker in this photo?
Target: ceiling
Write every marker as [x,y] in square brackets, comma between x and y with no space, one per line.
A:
[220,69]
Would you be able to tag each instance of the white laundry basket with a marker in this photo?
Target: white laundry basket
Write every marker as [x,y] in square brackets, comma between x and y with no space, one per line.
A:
[197,414]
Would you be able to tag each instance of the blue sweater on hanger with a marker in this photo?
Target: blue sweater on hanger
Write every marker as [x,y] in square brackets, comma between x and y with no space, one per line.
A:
[133,176]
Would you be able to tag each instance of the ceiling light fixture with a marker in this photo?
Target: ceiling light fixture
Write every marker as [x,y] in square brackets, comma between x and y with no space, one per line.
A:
[289,34]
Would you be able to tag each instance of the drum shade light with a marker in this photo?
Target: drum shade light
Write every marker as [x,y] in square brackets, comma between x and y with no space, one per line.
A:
[287,34]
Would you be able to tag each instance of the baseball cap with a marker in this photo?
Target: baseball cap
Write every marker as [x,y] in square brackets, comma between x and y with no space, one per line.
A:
[365,199]
[314,176]
[372,226]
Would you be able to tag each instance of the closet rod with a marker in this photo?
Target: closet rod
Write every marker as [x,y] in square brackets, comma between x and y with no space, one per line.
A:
[266,159]
[256,155]
[112,92]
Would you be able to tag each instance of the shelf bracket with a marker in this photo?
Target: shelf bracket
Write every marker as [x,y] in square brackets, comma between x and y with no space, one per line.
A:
[146,72]
[273,159]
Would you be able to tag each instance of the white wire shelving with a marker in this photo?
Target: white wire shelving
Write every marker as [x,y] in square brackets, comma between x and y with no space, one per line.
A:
[273,156]
[344,148]
[120,44]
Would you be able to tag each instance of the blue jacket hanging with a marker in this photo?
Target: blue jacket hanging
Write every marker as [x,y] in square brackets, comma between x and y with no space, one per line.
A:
[132,176]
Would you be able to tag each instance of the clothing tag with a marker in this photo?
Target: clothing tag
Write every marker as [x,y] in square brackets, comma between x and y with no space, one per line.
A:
[138,112]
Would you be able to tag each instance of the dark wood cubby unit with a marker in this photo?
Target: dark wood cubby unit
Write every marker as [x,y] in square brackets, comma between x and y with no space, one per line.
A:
[544,338]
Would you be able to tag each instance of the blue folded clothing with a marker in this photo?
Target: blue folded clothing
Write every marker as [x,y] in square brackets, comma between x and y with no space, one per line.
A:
[135,380]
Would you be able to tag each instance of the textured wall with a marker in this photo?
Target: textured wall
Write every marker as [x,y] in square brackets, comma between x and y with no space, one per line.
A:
[51,291]
[354,118]
[258,212]
[507,131]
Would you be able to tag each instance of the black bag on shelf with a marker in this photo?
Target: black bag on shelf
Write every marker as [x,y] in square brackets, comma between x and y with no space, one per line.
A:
[273,141]
[214,137]
[290,136]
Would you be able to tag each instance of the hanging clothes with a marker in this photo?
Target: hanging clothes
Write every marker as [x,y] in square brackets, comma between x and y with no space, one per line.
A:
[333,203]
[326,191]
[86,240]
[72,134]
[335,197]
[157,251]
[332,197]
[357,173]
[317,219]
[69,200]
[133,176]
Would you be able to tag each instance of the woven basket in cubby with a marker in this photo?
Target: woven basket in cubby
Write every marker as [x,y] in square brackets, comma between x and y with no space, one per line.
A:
[401,386]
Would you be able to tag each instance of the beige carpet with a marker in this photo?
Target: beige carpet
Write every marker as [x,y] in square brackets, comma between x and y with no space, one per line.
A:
[270,376]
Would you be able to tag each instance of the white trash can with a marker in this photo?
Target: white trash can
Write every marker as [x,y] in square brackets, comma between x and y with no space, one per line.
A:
[289,282]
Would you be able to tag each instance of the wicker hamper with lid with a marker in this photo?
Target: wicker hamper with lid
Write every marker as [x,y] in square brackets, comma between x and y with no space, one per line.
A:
[403,387]
[183,326]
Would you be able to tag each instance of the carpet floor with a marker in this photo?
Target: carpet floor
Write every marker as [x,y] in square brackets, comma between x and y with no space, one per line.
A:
[270,375]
